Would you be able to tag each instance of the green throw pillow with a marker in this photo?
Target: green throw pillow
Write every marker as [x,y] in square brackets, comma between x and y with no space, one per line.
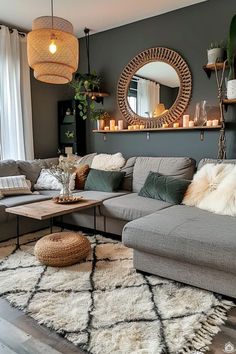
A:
[105,181]
[166,188]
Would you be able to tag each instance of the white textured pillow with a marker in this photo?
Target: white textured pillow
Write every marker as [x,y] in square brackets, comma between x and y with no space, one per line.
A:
[107,162]
[14,185]
[214,189]
[48,182]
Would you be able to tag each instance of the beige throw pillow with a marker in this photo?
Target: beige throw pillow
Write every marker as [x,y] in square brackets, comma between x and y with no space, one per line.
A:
[14,185]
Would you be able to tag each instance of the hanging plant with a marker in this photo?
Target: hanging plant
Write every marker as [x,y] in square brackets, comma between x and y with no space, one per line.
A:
[85,85]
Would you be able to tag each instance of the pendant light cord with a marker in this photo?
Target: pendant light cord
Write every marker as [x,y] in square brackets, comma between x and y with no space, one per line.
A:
[86,31]
[52,11]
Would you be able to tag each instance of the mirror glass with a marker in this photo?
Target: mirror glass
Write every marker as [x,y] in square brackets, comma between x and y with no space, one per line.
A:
[153,89]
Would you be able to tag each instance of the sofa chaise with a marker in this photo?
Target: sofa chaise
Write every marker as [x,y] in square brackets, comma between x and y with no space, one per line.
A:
[178,242]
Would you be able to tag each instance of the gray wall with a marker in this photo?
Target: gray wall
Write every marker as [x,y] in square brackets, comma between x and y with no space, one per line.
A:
[44,107]
[189,31]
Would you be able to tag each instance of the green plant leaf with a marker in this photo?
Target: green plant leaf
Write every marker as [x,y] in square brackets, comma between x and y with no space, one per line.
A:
[231,48]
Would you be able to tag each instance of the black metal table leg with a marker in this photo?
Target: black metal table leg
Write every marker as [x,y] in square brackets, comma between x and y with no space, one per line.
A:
[17,231]
[51,225]
[94,221]
[61,221]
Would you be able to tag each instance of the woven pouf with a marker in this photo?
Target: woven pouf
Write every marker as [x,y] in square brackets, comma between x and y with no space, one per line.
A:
[62,249]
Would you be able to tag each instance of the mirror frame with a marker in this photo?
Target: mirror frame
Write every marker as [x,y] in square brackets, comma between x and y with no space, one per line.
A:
[165,55]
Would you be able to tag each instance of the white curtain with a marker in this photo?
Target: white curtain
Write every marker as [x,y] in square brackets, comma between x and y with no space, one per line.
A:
[16,133]
[148,96]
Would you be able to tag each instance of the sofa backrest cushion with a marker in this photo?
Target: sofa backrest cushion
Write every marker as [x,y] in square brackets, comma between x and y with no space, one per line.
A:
[214,161]
[179,167]
[9,168]
[128,178]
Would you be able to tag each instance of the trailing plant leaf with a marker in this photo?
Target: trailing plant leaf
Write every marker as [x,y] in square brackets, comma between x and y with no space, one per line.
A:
[231,48]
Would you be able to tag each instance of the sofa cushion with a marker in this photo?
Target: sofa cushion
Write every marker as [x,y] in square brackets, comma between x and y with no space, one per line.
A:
[128,178]
[22,199]
[131,206]
[98,195]
[166,188]
[187,234]
[214,161]
[31,169]
[179,167]
[9,168]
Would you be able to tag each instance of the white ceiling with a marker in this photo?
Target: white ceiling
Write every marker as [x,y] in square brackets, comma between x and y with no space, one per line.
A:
[98,15]
[160,72]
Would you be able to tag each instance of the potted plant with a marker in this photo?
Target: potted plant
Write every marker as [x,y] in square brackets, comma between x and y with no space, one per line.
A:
[215,53]
[85,85]
[231,56]
[100,116]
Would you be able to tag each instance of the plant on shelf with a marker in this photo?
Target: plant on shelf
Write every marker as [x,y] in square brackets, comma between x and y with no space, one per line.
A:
[100,116]
[215,52]
[231,57]
[85,85]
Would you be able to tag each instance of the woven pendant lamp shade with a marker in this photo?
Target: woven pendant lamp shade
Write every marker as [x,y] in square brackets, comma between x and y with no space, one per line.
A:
[54,68]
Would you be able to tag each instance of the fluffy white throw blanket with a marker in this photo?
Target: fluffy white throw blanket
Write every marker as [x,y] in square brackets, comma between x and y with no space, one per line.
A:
[214,189]
[108,162]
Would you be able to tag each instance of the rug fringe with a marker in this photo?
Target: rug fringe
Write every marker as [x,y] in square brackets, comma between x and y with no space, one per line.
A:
[210,327]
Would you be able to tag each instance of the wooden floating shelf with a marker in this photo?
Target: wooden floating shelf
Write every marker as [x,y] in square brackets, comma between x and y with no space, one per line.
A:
[228,102]
[156,129]
[211,67]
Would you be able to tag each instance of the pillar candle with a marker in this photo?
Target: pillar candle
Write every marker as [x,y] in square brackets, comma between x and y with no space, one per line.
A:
[209,123]
[164,125]
[215,122]
[142,126]
[112,124]
[116,127]
[191,124]
[186,120]
[176,125]
[106,128]
[120,124]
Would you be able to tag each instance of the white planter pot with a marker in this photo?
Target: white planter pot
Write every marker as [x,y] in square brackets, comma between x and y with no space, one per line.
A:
[231,89]
[215,55]
[100,124]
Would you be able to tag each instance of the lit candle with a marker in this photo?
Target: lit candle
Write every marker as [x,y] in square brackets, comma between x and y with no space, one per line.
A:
[164,125]
[112,124]
[137,127]
[186,120]
[209,123]
[191,124]
[142,126]
[215,122]
[176,125]
[106,128]
[120,124]
[130,127]
[116,127]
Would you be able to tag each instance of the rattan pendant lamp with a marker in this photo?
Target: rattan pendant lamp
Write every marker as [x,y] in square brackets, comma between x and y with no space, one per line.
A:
[52,49]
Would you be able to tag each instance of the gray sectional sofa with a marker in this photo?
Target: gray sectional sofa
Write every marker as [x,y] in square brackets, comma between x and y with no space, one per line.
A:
[173,241]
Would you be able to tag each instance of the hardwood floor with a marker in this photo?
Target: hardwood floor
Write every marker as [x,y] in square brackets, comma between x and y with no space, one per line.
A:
[20,334]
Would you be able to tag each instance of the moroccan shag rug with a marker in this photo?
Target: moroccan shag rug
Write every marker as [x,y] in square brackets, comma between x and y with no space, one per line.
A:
[104,306]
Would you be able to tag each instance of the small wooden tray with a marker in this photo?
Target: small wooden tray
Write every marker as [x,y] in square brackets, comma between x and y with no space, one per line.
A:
[67,200]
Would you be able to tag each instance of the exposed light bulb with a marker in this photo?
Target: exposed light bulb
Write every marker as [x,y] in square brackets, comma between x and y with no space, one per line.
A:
[52,46]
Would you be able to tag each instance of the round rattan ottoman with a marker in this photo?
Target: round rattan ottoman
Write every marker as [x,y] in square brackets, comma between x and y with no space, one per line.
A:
[62,249]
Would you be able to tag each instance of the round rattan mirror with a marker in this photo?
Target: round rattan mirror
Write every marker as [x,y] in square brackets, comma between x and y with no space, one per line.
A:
[154,88]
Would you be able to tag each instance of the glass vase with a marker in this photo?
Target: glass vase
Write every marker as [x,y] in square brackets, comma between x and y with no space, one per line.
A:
[200,115]
[65,191]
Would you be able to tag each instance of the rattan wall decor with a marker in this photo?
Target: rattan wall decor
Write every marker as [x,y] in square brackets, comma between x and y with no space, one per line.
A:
[185,90]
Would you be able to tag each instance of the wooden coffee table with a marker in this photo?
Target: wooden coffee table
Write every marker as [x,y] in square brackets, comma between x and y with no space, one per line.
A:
[48,209]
